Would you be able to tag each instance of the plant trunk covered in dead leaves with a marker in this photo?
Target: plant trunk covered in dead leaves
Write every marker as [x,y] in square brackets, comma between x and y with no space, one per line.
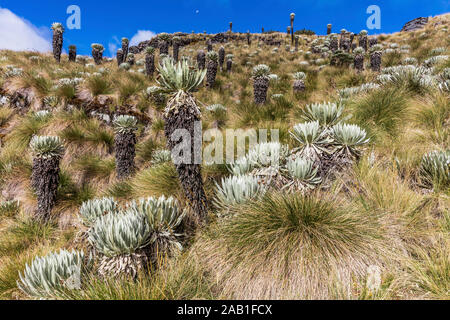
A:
[72,54]
[359,62]
[97,55]
[221,57]
[175,48]
[375,61]
[125,265]
[124,146]
[334,44]
[201,57]
[125,45]
[260,87]
[57,45]
[229,65]
[182,113]
[119,57]
[44,181]
[149,65]
[363,42]
[211,72]
[299,86]
[163,47]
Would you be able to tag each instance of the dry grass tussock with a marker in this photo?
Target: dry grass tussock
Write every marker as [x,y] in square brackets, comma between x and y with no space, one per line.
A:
[378,230]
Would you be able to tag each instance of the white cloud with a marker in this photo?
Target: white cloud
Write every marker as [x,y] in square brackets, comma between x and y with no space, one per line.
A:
[142,35]
[112,47]
[19,34]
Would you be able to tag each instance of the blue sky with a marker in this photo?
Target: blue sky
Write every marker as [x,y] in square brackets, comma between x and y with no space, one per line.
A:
[107,21]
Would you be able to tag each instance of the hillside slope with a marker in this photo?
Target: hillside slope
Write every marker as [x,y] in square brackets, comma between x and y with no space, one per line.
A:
[349,212]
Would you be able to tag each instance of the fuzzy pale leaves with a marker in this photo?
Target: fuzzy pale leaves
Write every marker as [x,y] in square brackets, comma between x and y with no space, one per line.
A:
[299,76]
[237,189]
[164,36]
[303,170]
[150,50]
[327,113]
[212,55]
[261,71]
[163,214]
[57,27]
[119,233]
[125,123]
[310,134]
[49,275]
[97,46]
[46,146]
[435,169]
[179,77]
[91,210]
[348,137]
[359,50]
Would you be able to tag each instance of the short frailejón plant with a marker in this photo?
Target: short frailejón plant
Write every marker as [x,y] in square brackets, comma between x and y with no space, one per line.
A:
[91,210]
[97,53]
[219,114]
[267,154]
[47,152]
[358,61]
[124,144]
[312,140]
[120,239]
[119,57]
[349,138]
[299,81]
[435,170]
[156,94]
[209,46]
[221,57]
[237,189]
[229,59]
[48,277]
[125,66]
[72,53]
[327,113]
[212,59]
[261,80]
[131,59]
[161,156]
[363,42]
[375,58]
[304,174]
[163,217]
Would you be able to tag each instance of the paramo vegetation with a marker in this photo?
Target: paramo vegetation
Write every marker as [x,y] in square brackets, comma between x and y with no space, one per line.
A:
[352,202]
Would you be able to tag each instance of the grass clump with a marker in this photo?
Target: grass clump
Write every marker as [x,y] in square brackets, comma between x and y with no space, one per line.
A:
[290,246]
